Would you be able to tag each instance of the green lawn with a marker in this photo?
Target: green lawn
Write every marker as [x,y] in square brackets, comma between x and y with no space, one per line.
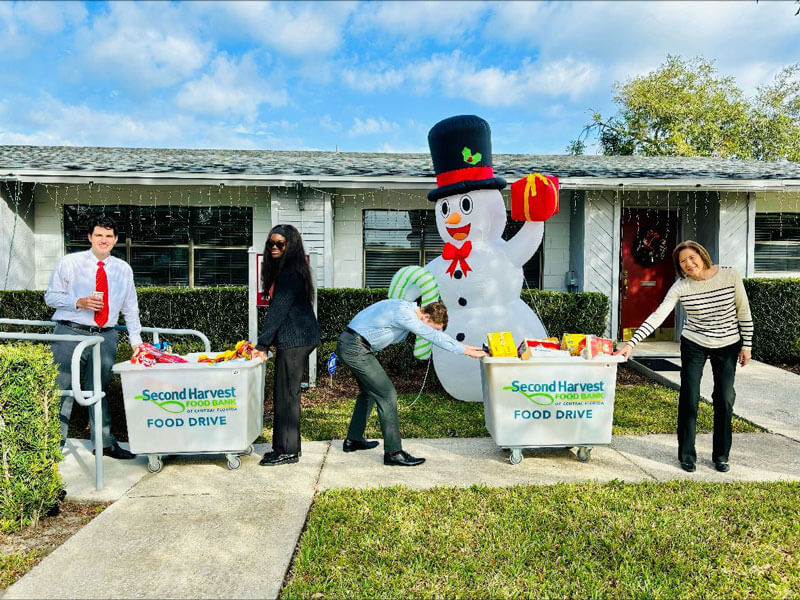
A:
[647,540]
[638,409]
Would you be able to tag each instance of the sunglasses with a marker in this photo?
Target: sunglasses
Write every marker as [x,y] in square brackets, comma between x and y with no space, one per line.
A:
[278,245]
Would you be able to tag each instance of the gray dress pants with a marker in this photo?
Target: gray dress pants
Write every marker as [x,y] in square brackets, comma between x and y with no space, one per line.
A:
[375,388]
[62,356]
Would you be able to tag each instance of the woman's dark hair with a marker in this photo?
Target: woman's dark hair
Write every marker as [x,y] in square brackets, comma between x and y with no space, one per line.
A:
[293,261]
[100,221]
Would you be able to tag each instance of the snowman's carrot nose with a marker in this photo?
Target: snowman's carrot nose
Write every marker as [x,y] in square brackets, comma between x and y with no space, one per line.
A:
[453,219]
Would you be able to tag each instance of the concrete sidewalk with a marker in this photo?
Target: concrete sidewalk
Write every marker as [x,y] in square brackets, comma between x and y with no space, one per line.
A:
[765,395]
[199,530]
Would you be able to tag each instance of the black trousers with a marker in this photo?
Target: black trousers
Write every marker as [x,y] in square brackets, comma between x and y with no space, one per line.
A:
[723,366]
[289,367]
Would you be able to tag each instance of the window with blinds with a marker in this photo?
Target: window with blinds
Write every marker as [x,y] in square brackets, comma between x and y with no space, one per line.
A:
[397,238]
[777,246]
[174,246]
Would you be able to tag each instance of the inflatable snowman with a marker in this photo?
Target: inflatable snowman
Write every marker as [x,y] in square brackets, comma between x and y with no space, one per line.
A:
[479,274]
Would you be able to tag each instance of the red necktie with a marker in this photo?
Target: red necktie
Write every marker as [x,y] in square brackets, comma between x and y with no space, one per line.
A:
[101,285]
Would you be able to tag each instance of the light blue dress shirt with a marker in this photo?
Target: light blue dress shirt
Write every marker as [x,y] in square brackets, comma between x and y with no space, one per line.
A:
[389,321]
[75,277]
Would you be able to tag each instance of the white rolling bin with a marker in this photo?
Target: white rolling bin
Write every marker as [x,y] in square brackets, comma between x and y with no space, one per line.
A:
[193,408]
[561,401]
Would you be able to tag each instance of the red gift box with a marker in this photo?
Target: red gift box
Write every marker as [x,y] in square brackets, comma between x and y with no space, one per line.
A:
[534,198]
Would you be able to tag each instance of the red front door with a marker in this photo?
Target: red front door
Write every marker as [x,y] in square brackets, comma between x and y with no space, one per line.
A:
[648,238]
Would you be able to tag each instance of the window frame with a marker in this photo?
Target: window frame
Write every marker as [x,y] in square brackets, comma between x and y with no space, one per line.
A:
[423,252]
[191,246]
[760,215]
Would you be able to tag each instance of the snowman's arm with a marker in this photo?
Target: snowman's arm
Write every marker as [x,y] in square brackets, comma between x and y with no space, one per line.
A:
[524,245]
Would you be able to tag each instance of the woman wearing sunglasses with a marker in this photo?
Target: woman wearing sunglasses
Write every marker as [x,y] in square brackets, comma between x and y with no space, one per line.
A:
[291,326]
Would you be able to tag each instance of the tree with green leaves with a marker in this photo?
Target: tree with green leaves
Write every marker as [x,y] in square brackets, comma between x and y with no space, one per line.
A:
[685,108]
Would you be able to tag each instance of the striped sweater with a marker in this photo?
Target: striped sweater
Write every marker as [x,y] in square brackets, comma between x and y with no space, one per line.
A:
[717,311]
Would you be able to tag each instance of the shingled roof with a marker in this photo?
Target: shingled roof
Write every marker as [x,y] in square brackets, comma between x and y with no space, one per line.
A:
[30,160]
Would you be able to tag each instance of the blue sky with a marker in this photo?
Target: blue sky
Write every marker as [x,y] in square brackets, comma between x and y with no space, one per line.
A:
[363,76]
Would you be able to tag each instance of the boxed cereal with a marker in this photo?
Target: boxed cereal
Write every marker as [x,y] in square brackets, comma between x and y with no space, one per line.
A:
[572,342]
[501,343]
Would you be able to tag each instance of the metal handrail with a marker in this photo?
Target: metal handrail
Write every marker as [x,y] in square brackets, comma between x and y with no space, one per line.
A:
[89,398]
[85,398]
[156,330]
[153,330]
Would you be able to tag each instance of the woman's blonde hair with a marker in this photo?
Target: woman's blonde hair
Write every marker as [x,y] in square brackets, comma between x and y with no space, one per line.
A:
[689,245]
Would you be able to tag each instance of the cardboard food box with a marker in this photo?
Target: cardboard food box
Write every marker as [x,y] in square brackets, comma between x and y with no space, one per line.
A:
[526,352]
[592,346]
[501,343]
[528,345]
[572,342]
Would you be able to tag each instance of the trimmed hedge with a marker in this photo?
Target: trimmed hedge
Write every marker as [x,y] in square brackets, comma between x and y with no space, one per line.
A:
[775,304]
[220,313]
[30,435]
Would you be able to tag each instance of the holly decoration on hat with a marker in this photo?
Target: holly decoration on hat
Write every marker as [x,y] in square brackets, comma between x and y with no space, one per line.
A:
[469,157]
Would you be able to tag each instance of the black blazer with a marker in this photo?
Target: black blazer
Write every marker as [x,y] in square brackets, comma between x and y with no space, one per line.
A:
[290,320]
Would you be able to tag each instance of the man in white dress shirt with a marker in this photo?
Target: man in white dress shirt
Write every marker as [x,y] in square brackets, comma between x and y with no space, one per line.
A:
[89,289]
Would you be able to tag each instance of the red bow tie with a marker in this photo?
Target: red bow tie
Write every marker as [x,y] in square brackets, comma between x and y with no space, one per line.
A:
[457,256]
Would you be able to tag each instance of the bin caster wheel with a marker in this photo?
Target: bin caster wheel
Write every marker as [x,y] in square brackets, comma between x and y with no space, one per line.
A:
[154,464]
[584,453]
[249,451]
[234,462]
[516,456]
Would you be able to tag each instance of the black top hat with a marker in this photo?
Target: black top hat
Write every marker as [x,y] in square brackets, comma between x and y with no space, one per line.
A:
[461,149]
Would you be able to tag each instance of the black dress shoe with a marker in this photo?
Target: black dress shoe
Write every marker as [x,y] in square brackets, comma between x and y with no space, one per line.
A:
[688,467]
[273,458]
[722,467]
[118,452]
[353,445]
[401,459]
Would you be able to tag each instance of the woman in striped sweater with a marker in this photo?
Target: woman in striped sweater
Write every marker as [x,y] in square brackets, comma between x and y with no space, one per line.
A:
[718,327]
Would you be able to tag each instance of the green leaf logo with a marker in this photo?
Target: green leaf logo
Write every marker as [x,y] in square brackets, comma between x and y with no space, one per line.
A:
[469,157]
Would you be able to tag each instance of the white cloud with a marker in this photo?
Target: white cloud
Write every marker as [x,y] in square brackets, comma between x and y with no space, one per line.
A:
[373,80]
[49,17]
[302,29]
[26,26]
[372,126]
[438,21]
[144,46]
[455,76]
[47,121]
[632,38]
[230,88]
[328,123]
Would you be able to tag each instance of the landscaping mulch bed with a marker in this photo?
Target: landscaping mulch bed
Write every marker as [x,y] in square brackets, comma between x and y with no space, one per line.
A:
[791,368]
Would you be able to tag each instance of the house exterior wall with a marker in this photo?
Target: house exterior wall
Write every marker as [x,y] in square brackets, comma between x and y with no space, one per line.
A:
[557,240]
[734,234]
[313,217]
[50,200]
[17,248]
[348,238]
[599,263]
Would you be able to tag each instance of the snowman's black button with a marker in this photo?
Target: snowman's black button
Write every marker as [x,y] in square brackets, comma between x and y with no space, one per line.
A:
[457,274]
[460,337]
[462,301]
